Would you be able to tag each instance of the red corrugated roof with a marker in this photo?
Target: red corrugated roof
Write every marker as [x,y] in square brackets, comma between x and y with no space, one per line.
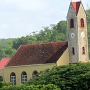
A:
[3,62]
[76,6]
[38,53]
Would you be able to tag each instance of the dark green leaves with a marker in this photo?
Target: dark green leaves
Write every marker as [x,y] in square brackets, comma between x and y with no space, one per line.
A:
[69,77]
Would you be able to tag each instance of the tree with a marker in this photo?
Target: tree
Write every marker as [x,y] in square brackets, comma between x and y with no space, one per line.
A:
[68,77]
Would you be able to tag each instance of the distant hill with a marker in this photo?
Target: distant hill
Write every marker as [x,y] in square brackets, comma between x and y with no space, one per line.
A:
[53,33]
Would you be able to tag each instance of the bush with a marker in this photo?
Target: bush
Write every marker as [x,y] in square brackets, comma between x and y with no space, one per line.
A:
[31,87]
[1,84]
[69,77]
[1,78]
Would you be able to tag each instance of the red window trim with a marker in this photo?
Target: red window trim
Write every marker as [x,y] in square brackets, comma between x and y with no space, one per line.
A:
[82,22]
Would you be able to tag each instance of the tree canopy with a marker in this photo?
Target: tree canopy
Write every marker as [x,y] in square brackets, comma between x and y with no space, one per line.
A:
[68,77]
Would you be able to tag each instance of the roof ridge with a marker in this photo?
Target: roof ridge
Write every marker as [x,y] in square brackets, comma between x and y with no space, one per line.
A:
[43,43]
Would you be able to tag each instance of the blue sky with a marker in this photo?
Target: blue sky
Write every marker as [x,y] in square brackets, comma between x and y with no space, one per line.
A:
[21,17]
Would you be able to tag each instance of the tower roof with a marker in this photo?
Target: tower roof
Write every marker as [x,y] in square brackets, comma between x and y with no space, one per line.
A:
[76,6]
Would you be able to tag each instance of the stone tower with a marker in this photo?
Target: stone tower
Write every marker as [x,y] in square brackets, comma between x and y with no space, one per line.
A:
[77,33]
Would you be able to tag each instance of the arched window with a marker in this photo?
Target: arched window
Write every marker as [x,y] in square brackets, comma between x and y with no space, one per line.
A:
[34,74]
[82,22]
[71,23]
[73,51]
[1,78]
[83,50]
[24,77]
[13,78]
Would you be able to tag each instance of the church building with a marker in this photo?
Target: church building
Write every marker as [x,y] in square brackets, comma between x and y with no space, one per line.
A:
[32,58]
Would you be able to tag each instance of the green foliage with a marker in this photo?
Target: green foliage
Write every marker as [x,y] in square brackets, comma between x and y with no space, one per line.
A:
[88,26]
[3,84]
[6,49]
[1,78]
[55,33]
[31,87]
[69,77]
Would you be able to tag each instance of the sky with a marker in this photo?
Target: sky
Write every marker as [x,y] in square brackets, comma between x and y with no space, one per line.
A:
[22,17]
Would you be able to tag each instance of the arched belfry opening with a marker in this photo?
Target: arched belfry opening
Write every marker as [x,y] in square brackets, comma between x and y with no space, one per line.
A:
[71,23]
[82,22]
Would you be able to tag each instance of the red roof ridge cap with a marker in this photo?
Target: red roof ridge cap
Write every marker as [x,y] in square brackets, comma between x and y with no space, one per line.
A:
[76,6]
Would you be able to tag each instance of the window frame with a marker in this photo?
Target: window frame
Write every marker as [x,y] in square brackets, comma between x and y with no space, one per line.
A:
[1,78]
[13,78]
[23,77]
[34,74]
[82,22]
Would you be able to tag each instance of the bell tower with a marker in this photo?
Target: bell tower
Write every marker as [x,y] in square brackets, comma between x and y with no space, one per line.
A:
[77,33]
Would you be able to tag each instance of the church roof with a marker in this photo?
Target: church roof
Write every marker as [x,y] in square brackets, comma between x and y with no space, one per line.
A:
[3,62]
[76,6]
[38,53]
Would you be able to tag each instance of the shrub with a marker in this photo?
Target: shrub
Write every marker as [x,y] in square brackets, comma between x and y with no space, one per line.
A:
[1,84]
[1,78]
[31,87]
[68,77]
